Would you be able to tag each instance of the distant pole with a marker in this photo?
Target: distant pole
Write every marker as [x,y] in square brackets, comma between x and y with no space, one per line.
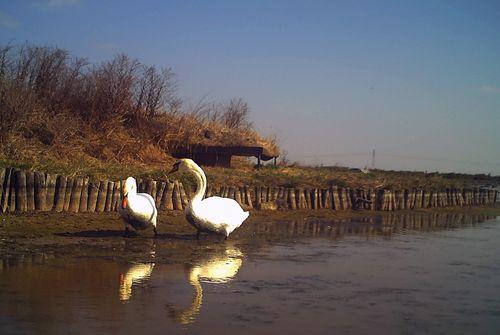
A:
[373,159]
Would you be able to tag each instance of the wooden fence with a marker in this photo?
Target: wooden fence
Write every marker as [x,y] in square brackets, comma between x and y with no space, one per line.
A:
[26,191]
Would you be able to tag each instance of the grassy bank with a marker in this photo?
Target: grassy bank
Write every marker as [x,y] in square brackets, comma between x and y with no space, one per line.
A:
[244,173]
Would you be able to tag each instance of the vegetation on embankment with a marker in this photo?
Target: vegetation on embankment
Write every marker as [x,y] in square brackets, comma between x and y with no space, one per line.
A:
[62,115]
[59,113]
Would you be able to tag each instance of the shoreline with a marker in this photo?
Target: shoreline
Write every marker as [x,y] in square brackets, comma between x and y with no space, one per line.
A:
[101,234]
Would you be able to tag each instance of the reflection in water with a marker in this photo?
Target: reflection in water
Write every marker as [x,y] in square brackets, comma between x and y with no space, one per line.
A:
[217,268]
[135,275]
[385,225]
[38,258]
[44,293]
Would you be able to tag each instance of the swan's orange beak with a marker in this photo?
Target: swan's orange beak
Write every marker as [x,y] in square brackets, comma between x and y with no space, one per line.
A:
[124,202]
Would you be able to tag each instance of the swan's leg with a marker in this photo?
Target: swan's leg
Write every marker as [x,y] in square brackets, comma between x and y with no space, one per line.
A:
[127,232]
[155,231]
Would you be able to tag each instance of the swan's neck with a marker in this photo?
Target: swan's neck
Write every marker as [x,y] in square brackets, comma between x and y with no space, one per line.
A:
[201,182]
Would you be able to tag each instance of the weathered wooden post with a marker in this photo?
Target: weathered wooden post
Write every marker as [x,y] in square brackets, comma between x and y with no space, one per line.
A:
[237,196]
[418,199]
[109,196]
[115,196]
[300,197]
[374,199]
[12,191]
[76,194]
[142,185]
[285,198]
[209,191]
[40,191]
[67,193]
[20,185]
[426,199]
[177,196]
[319,198]
[84,196]
[2,181]
[248,197]
[275,193]
[390,200]
[50,180]
[223,191]
[30,191]
[6,190]
[167,197]
[345,199]
[101,196]
[292,203]
[159,193]
[60,193]
[257,197]
[184,196]
[154,186]
[335,198]
[307,197]
[93,192]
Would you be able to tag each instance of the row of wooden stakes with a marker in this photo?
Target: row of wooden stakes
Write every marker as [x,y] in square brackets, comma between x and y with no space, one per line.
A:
[23,191]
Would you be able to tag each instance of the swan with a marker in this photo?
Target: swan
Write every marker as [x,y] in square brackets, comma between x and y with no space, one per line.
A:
[136,274]
[215,214]
[137,209]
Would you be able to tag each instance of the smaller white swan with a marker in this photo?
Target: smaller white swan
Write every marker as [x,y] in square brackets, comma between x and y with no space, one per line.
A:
[211,215]
[137,209]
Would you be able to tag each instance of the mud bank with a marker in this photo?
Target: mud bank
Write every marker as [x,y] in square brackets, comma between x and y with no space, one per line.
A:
[101,234]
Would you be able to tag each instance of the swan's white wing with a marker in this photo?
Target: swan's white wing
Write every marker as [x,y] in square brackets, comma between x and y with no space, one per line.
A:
[221,210]
[221,215]
[141,208]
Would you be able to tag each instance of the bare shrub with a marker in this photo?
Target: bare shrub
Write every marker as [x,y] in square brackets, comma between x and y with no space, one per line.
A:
[110,110]
[235,114]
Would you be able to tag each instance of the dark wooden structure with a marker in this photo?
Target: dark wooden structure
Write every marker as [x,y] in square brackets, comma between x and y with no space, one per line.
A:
[218,155]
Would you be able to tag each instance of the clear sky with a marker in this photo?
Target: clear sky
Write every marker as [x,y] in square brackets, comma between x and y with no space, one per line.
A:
[419,81]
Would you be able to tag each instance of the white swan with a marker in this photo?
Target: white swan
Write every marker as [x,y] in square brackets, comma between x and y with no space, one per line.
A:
[137,209]
[214,214]
[136,274]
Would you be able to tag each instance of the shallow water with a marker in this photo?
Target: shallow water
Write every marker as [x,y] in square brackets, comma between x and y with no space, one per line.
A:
[401,274]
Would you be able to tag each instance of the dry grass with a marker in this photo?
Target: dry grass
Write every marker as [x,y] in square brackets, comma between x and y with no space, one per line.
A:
[61,114]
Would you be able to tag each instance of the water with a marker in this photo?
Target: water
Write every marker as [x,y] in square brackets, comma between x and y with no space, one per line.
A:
[404,274]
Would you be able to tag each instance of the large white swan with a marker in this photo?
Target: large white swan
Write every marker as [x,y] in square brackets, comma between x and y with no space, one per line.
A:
[214,214]
[137,209]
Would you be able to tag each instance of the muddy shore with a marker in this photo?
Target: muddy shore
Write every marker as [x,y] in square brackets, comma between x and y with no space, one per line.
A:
[101,234]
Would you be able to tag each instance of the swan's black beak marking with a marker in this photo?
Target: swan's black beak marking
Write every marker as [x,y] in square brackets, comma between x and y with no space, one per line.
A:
[175,168]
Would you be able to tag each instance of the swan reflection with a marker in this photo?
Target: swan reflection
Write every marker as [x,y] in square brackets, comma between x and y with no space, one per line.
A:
[135,274]
[218,268]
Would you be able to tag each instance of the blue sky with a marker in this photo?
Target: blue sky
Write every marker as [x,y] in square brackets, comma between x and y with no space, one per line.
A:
[419,81]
